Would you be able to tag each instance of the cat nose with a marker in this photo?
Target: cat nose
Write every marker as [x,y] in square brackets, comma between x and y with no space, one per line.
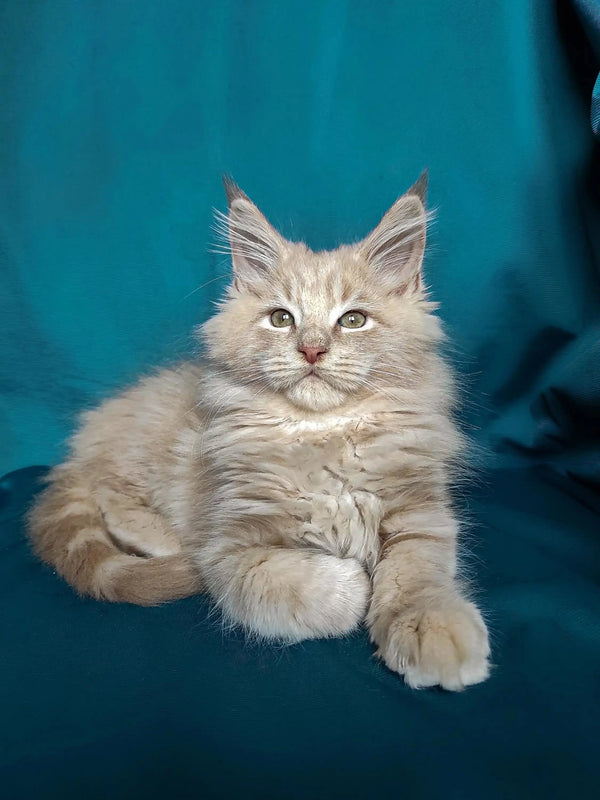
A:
[312,354]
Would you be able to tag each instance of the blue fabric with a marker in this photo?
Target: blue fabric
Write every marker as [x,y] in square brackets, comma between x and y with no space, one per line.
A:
[118,118]
[114,701]
[589,11]
[595,113]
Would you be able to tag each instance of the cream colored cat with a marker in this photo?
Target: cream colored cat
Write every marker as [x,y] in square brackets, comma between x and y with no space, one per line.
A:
[301,474]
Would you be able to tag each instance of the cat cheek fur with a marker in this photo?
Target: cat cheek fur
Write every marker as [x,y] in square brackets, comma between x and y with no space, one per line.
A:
[303,506]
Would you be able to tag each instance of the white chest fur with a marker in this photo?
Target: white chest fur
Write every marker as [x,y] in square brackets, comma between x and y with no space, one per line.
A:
[322,484]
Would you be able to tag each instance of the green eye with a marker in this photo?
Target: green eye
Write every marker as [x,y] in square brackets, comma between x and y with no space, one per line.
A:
[352,319]
[281,318]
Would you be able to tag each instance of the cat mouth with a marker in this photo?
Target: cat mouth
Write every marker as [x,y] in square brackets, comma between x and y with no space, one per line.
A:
[315,376]
[312,376]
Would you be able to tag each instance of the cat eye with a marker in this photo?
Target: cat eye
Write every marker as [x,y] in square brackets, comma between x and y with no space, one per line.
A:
[281,318]
[352,319]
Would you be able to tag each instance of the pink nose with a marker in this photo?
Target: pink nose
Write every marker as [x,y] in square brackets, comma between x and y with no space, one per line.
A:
[312,354]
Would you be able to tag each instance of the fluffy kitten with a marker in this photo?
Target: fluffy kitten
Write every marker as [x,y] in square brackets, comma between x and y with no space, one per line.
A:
[301,474]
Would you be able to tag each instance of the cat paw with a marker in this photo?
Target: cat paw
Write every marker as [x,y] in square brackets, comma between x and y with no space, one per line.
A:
[443,646]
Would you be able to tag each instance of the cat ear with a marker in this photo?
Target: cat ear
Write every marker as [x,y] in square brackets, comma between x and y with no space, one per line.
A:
[255,245]
[395,248]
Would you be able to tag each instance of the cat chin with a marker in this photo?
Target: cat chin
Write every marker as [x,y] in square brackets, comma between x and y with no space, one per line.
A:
[316,395]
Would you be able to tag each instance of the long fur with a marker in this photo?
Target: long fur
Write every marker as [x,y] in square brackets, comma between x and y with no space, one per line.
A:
[304,498]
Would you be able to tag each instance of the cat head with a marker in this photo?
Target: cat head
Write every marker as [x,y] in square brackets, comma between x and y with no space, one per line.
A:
[322,328]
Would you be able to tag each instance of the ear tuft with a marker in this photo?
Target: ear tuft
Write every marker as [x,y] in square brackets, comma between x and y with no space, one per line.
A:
[419,188]
[396,247]
[232,190]
[254,244]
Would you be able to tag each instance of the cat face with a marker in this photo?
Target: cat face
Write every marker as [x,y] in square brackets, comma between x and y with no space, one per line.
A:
[320,328]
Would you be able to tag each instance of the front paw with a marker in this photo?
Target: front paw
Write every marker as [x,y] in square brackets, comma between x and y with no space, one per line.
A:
[443,646]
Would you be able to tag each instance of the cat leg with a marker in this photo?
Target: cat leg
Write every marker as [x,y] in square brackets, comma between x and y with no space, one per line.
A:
[134,527]
[285,593]
[108,544]
[424,627]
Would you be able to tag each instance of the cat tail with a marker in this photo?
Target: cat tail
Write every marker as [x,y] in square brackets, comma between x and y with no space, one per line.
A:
[68,531]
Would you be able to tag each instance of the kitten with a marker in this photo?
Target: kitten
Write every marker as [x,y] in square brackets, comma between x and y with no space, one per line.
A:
[301,474]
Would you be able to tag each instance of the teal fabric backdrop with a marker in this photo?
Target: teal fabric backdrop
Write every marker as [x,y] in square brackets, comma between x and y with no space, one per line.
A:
[116,121]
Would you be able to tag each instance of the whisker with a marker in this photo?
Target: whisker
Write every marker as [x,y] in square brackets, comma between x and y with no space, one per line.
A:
[197,289]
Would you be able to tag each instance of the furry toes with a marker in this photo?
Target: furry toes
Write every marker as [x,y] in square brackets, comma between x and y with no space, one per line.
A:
[442,646]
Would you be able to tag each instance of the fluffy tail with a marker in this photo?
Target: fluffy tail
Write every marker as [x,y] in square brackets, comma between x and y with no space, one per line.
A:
[69,531]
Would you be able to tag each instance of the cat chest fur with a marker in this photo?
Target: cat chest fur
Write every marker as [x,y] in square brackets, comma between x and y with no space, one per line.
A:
[323,484]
